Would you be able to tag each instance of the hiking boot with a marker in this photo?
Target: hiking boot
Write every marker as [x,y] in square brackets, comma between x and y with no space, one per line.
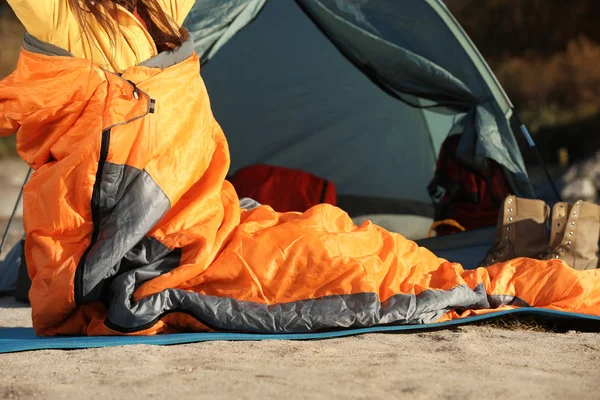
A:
[521,230]
[574,235]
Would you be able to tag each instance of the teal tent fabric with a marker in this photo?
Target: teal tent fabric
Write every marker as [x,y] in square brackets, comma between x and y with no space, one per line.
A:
[352,90]
[406,48]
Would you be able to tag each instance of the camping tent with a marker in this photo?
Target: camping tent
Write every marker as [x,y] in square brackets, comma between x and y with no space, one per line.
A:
[361,92]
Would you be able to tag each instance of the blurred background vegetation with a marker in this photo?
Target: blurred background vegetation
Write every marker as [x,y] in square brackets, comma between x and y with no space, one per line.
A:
[11,33]
[546,54]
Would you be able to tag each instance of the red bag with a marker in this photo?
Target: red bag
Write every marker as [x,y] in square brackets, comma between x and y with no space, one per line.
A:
[464,195]
[282,188]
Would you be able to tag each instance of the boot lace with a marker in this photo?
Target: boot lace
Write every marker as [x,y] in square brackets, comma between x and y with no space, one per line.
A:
[497,253]
[555,252]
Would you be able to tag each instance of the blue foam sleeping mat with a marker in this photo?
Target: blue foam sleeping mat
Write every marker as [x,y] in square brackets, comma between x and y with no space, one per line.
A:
[25,339]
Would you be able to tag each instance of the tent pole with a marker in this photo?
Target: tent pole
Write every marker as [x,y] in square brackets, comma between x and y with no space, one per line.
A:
[537,155]
[12,216]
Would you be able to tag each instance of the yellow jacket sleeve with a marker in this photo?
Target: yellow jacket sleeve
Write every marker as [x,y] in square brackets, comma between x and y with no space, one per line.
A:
[42,18]
[177,9]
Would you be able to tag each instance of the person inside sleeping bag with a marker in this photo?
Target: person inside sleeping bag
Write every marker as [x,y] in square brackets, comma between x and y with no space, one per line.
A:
[132,228]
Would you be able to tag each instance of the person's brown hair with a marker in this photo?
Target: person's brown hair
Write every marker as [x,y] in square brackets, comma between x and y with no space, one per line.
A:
[166,34]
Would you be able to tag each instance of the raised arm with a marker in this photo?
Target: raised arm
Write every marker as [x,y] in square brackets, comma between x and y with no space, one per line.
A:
[41,18]
[177,9]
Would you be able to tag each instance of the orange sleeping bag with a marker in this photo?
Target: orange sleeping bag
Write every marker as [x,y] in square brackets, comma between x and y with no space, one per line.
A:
[132,228]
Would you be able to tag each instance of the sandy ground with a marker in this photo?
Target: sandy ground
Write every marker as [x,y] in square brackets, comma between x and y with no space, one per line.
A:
[471,362]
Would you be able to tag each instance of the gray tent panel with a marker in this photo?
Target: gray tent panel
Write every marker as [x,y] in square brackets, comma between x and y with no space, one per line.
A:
[213,23]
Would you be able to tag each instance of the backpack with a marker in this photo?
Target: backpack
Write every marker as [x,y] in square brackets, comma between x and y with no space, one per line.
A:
[283,189]
[465,197]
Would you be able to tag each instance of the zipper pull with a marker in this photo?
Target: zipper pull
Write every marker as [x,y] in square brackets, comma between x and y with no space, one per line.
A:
[136,93]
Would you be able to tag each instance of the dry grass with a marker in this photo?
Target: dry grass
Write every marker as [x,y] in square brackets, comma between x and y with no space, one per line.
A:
[517,324]
[545,54]
[559,89]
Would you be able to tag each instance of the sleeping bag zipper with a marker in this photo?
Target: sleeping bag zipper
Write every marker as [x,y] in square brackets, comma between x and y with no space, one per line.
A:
[79,273]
